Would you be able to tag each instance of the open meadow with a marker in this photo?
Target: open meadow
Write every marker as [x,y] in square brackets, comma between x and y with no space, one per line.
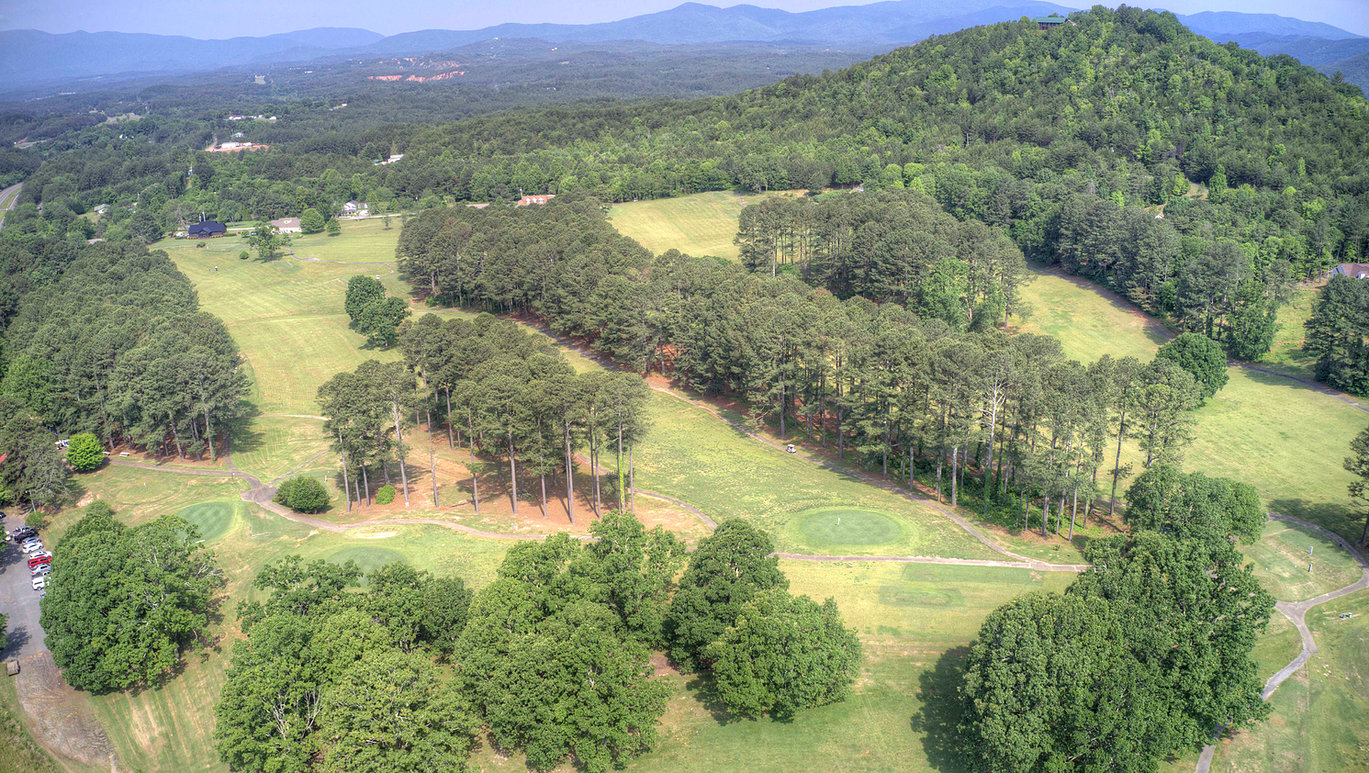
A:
[689,224]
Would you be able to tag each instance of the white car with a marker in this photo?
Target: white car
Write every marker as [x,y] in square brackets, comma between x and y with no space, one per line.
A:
[33,547]
[40,582]
[40,570]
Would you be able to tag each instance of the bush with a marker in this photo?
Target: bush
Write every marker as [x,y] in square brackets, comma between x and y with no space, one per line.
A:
[303,495]
[243,255]
[385,495]
[36,520]
[84,452]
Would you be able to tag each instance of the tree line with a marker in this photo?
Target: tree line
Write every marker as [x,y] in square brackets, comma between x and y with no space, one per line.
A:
[499,391]
[896,391]
[551,659]
[1336,334]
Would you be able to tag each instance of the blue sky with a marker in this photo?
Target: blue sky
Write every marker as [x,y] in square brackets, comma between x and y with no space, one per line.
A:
[263,17]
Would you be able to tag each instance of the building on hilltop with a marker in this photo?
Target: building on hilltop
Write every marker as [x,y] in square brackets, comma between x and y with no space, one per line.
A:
[537,199]
[1048,22]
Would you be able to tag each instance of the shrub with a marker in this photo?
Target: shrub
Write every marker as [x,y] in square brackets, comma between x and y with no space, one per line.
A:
[36,520]
[303,495]
[84,452]
[385,495]
[243,255]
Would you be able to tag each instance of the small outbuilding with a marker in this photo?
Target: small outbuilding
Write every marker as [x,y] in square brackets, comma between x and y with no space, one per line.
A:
[206,229]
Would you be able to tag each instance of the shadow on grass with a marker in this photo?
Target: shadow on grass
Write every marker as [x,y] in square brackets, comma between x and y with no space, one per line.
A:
[1328,515]
[938,722]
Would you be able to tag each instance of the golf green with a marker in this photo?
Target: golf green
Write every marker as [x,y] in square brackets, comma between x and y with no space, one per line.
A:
[368,558]
[821,528]
[211,518]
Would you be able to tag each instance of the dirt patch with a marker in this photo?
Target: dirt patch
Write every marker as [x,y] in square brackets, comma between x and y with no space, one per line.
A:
[59,717]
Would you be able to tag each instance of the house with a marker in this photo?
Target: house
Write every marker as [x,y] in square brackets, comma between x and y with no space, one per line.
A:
[1353,270]
[238,135]
[538,199]
[206,229]
[101,209]
[286,225]
[354,208]
[1048,22]
[390,160]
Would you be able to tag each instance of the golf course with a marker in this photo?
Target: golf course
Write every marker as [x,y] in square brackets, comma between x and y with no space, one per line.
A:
[702,463]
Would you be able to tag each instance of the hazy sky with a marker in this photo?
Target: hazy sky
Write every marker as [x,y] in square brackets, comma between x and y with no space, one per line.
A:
[263,17]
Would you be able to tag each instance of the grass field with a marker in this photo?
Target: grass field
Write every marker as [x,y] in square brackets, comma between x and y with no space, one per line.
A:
[1318,722]
[1286,355]
[702,224]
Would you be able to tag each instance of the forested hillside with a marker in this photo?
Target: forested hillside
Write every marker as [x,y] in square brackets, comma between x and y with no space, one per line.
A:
[1195,178]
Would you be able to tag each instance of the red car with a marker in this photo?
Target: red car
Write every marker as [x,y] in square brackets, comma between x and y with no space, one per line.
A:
[39,561]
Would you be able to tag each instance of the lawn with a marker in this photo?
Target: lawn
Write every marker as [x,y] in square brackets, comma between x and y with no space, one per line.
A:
[1283,554]
[702,224]
[1286,355]
[1318,721]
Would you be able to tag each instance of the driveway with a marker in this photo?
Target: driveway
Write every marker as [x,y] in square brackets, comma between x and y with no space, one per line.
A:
[58,717]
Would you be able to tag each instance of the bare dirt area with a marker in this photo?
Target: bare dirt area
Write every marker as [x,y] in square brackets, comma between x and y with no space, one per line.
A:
[59,717]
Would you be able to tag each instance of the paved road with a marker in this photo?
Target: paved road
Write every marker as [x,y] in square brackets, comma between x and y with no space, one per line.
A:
[8,198]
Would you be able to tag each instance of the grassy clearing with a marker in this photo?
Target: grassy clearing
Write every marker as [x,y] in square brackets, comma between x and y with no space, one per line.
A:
[702,224]
[18,751]
[1318,722]
[1286,355]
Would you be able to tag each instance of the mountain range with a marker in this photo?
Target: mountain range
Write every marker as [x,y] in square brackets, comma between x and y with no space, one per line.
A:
[34,59]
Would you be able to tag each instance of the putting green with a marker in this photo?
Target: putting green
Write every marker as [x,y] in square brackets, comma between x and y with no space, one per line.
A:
[211,518]
[368,558]
[821,528]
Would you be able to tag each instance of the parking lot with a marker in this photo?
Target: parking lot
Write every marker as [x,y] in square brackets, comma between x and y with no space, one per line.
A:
[19,600]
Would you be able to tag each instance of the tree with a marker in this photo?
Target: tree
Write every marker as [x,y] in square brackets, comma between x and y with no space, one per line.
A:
[334,228]
[391,712]
[361,290]
[784,654]
[1202,357]
[1358,465]
[84,452]
[267,240]
[311,221]
[636,569]
[379,321]
[1194,506]
[729,567]
[126,601]
[1162,398]
[303,494]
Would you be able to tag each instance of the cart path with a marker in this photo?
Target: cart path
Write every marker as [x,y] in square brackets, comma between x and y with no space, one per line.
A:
[1296,612]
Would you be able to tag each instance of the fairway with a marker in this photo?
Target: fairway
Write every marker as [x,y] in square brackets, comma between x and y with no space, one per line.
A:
[1284,437]
[832,527]
[1282,556]
[701,224]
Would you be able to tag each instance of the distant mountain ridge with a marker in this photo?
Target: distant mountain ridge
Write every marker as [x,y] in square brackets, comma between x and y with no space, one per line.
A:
[34,59]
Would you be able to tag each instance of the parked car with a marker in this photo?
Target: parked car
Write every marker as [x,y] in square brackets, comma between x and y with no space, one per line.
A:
[40,583]
[33,547]
[39,558]
[23,533]
[40,570]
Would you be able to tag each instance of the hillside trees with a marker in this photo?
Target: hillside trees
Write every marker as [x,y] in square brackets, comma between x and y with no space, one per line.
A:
[1202,357]
[125,600]
[885,385]
[117,347]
